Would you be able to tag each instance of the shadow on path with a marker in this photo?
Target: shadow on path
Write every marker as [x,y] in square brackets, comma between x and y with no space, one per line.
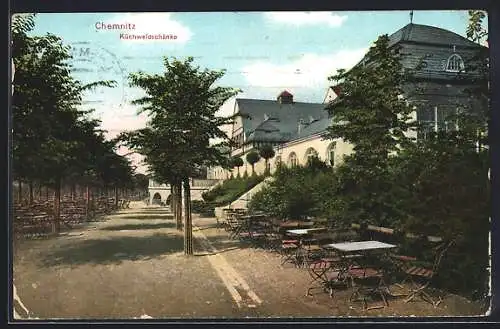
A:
[138,227]
[114,250]
[139,217]
[223,243]
[145,213]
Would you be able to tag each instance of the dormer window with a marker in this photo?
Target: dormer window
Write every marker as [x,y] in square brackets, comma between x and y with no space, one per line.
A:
[455,63]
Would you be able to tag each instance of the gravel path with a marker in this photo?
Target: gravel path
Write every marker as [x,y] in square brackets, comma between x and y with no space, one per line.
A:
[132,265]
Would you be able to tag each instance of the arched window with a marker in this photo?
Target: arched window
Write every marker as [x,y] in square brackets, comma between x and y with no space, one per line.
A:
[310,154]
[292,159]
[455,63]
[277,162]
[330,154]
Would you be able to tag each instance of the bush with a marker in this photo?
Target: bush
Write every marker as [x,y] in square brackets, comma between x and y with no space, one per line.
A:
[435,189]
[204,209]
[294,193]
[229,191]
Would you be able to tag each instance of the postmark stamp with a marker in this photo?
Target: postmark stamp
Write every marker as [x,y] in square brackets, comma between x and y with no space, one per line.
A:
[92,62]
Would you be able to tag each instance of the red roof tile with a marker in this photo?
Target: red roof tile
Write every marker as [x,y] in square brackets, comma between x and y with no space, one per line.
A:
[285,93]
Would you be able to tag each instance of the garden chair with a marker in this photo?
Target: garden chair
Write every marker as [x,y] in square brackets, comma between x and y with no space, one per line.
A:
[368,279]
[289,247]
[313,249]
[272,238]
[254,232]
[326,268]
[325,273]
[420,276]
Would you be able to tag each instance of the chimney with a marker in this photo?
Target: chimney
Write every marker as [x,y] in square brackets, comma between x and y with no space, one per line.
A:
[285,98]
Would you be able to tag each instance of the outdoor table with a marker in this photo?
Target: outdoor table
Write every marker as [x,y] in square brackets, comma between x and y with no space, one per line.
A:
[359,246]
[301,233]
[347,249]
[350,251]
[305,231]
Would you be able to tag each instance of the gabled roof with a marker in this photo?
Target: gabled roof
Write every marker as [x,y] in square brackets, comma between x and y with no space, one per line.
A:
[287,115]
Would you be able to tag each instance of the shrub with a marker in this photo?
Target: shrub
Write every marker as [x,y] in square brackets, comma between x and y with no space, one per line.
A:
[252,158]
[229,191]
[432,189]
[204,209]
[293,194]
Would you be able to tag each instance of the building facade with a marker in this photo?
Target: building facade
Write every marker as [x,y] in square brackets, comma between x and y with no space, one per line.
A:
[445,65]
[160,194]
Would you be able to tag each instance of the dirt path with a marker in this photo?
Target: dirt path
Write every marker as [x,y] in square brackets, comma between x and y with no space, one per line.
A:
[132,265]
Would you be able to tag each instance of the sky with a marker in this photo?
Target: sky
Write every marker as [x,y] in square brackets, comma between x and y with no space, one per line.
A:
[263,53]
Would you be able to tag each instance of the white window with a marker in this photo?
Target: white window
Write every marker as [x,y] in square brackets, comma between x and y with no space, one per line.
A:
[455,63]
[277,162]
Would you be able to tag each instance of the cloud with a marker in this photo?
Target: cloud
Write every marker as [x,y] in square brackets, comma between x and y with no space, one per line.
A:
[307,18]
[116,120]
[149,23]
[309,71]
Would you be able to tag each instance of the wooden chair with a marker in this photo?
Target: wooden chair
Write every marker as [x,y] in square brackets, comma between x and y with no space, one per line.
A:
[420,276]
[368,279]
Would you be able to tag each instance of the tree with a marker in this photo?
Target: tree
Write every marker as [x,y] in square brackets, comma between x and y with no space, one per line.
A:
[50,134]
[266,152]
[182,104]
[252,158]
[371,115]
[141,183]
[478,121]
[475,29]
[238,162]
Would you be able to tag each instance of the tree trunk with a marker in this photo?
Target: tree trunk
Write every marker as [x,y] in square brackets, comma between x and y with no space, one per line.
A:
[46,193]
[178,207]
[39,191]
[171,204]
[188,224]
[56,225]
[20,191]
[31,192]
[87,202]
[173,201]
[73,192]
[116,197]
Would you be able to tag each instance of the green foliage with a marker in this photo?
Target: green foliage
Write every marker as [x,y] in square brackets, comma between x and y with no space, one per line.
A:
[181,104]
[293,194]
[436,186]
[224,194]
[53,140]
[230,190]
[252,158]
[370,113]
[204,209]
[475,30]
[237,162]
[266,152]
